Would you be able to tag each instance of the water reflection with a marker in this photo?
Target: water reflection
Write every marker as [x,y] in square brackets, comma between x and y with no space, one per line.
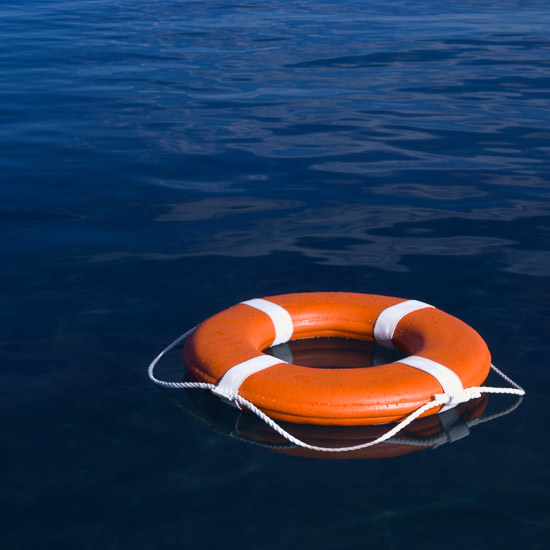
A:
[425,433]
[220,207]
[341,234]
[338,233]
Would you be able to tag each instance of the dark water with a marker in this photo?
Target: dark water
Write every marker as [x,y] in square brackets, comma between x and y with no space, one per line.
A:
[162,160]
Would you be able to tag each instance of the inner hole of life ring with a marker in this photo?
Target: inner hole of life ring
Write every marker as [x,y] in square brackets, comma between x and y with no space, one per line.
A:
[334,353]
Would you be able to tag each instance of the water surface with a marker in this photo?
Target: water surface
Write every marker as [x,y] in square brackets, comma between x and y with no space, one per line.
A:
[164,160]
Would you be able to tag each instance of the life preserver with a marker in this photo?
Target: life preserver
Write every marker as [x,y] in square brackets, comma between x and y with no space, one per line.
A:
[446,356]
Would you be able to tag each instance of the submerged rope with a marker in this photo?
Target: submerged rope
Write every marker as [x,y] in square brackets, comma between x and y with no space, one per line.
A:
[440,399]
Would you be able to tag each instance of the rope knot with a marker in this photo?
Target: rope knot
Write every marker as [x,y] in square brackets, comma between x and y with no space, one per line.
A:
[454,399]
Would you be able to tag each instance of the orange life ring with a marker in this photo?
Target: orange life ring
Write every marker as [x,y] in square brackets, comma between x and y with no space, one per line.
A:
[446,356]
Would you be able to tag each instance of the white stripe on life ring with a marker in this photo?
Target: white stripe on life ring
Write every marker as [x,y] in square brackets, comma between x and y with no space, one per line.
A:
[282,321]
[448,379]
[388,319]
[230,382]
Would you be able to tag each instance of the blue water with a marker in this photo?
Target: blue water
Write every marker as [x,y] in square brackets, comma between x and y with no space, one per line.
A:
[163,160]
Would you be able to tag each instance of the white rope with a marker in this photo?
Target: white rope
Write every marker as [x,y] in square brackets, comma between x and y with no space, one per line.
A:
[438,400]
[175,385]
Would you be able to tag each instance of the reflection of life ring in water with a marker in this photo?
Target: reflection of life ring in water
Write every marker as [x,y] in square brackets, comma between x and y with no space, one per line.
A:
[423,433]
[446,359]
